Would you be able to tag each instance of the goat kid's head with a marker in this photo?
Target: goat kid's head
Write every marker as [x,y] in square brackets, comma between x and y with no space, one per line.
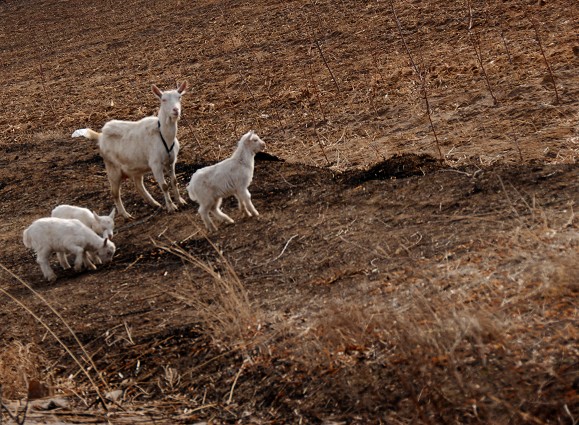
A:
[107,251]
[106,222]
[251,141]
[170,101]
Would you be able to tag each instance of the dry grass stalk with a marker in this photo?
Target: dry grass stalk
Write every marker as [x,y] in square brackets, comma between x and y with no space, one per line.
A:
[475,43]
[316,43]
[15,418]
[538,37]
[516,143]
[317,92]
[506,47]
[44,324]
[319,47]
[421,79]
[42,79]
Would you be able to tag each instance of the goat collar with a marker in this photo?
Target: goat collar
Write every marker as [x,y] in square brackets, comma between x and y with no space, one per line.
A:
[163,140]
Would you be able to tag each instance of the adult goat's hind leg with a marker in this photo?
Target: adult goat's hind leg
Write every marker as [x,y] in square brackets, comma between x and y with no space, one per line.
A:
[115,177]
[138,180]
[160,177]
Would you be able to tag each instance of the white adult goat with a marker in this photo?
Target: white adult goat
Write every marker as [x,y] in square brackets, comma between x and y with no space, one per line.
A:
[51,234]
[133,148]
[232,176]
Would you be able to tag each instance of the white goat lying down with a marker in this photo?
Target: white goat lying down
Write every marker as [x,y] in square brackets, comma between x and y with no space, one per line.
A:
[51,234]
[101,224]
[132,148]
[232,176]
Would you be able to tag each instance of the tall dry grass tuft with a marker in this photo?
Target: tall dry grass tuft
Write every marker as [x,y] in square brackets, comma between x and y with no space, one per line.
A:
[224,306]
[440,359]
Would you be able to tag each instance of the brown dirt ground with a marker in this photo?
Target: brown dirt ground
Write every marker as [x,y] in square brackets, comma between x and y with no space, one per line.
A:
[379,284]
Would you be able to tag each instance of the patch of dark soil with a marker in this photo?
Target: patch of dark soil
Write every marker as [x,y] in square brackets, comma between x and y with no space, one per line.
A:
[94,159]
[397,167]
[264,156]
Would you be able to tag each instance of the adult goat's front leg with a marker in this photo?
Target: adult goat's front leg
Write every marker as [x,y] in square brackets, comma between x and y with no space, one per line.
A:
[174,185]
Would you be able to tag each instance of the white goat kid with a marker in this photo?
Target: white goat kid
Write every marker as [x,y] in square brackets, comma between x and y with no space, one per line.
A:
[132,148]
[51,234]
[102,225]
[232,176]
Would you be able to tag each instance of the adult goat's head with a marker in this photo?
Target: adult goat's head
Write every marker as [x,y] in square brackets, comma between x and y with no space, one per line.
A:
[170,100]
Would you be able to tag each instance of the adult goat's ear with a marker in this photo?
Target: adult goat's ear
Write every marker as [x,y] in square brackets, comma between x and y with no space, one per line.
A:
[181,89]
[105,243]
[156,91]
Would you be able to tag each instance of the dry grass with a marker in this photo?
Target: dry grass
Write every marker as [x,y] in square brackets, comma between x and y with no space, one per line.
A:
[19,365]
[224,308]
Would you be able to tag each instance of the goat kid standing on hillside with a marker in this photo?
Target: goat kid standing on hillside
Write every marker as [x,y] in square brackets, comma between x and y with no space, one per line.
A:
[232,176]
[132,148]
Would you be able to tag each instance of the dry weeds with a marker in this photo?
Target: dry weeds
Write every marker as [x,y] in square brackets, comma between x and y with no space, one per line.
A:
[376,288]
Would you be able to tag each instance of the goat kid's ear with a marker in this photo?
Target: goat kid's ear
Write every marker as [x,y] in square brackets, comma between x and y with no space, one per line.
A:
[105,242]
[181,89]
[156,91]
[113,212]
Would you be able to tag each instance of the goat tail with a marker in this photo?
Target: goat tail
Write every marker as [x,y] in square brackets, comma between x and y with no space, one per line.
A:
[26,239]
[191,192]
[86,132]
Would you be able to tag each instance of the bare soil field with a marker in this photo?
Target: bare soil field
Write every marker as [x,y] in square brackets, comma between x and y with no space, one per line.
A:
[406,267]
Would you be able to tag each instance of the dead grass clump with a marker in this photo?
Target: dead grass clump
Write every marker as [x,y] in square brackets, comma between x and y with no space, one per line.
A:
[20,364]
[224,308]
[444,363]
[564,276]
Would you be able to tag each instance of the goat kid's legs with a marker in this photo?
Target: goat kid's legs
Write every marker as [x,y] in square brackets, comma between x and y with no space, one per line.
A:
[221,216]
[204,213]
[87,260]
[245,204]
[63,260]
[42,258]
